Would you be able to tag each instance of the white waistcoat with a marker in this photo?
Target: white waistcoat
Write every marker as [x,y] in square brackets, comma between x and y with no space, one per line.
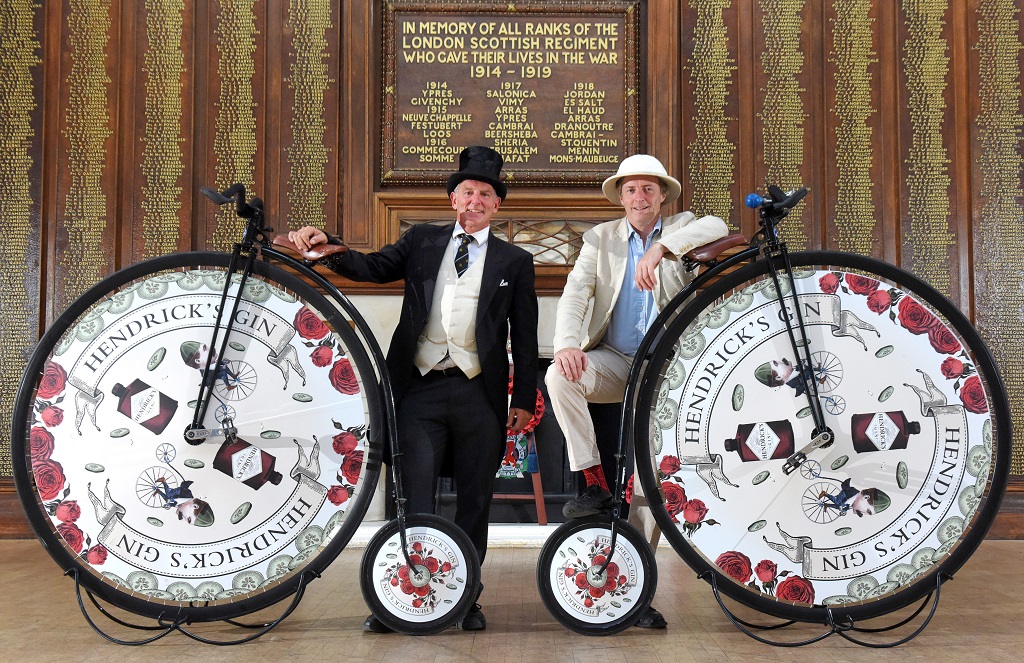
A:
[451,326]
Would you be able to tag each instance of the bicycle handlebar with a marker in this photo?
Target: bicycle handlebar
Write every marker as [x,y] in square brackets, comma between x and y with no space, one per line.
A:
[778,200]
[234,193]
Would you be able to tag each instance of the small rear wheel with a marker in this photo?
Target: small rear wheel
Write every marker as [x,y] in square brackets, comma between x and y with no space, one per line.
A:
[583,597]
[435,591]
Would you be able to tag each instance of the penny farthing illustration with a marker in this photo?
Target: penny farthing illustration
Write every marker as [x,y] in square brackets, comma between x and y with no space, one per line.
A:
[236,380]
[827,370]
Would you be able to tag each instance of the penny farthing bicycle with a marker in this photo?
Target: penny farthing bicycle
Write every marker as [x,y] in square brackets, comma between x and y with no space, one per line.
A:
[229,422]
[822,437]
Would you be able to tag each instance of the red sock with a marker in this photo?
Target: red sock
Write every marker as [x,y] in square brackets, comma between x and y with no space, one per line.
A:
[594,475]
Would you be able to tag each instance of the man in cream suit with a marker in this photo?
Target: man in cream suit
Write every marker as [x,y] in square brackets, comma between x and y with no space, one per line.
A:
[466,293]
[627,270]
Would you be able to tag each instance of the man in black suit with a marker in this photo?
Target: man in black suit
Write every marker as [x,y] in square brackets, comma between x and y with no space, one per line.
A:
[465,291]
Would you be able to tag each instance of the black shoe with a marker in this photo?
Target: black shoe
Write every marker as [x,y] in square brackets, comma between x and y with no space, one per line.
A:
[651,619]
[474,619]
[374,625]
[593,501]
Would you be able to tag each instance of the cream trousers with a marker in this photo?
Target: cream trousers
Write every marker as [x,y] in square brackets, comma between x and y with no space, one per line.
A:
[604,381]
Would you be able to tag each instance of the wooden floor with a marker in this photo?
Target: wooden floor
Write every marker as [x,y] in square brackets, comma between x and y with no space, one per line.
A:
[981,617]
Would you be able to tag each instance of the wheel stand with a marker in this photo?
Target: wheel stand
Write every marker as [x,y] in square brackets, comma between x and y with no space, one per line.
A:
[168,624]
[843,629]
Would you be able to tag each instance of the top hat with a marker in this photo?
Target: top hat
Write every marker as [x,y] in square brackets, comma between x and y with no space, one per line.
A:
[641,165]
[482,164]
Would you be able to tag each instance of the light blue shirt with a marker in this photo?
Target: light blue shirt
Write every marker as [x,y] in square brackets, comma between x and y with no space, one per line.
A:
[634,309]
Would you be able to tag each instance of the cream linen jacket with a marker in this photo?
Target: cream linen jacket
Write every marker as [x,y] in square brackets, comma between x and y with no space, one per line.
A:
[596,278]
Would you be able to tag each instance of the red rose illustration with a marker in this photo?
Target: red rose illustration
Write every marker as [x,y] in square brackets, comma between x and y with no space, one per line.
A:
[337,495]
[694,511]
[629,490]
[952,368]
[861,284]
[829,283]
[943,340]
[795,588]
[52,416]
[675,498]
[416,603]
[581,580]
[432,564]
[309,325]
[40,442]
[446,567]
[74,536]
[52,382]
[68,511]
[669,465]
[322,356]
[343,378]
[879,301]
[352,466]
[97,554]
[49,478]
[344,443]
[735,564]
[973,395]
[597,592]
[766,570]
[916,318]
[611,584]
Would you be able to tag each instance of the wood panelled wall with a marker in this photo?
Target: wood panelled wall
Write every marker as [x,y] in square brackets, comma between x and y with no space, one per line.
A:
[904,117]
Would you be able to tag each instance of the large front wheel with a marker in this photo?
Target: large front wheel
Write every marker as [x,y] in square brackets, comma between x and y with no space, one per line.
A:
[906,491]
[210,527]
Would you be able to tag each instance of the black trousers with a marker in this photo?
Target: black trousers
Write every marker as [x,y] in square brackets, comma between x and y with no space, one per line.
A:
[450,414]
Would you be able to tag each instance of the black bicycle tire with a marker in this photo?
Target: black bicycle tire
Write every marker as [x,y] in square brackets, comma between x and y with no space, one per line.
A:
[986,369]
[466,551]
[547,560]
[22,421]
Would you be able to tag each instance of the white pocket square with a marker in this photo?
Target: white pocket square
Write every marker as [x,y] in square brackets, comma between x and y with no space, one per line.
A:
[503,283]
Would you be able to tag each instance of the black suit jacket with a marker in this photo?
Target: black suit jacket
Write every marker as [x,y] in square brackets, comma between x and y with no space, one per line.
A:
[507,303]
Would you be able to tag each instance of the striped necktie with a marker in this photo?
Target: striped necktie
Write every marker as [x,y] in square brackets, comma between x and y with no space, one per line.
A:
[462,254]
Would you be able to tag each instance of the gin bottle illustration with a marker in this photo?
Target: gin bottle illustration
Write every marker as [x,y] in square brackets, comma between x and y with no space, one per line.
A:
[249,464]
[762,441]
[145,405]
[881,431]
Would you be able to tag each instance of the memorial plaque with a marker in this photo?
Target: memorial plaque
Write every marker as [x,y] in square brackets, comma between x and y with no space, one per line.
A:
[553,87]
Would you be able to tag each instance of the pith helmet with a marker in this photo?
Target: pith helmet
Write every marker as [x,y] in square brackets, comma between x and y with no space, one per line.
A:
[641,164]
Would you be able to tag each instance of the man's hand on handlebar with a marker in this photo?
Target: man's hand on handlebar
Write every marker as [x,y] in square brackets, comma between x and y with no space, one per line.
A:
[307,237]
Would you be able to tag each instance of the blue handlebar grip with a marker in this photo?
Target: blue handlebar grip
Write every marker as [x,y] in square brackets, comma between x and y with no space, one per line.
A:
[754,200]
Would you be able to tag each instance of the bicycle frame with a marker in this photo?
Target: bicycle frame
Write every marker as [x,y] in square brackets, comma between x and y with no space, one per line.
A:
[256,243]
[765,243]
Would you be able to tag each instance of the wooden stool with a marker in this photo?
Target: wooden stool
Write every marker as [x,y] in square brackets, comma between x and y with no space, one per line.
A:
[538,490]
